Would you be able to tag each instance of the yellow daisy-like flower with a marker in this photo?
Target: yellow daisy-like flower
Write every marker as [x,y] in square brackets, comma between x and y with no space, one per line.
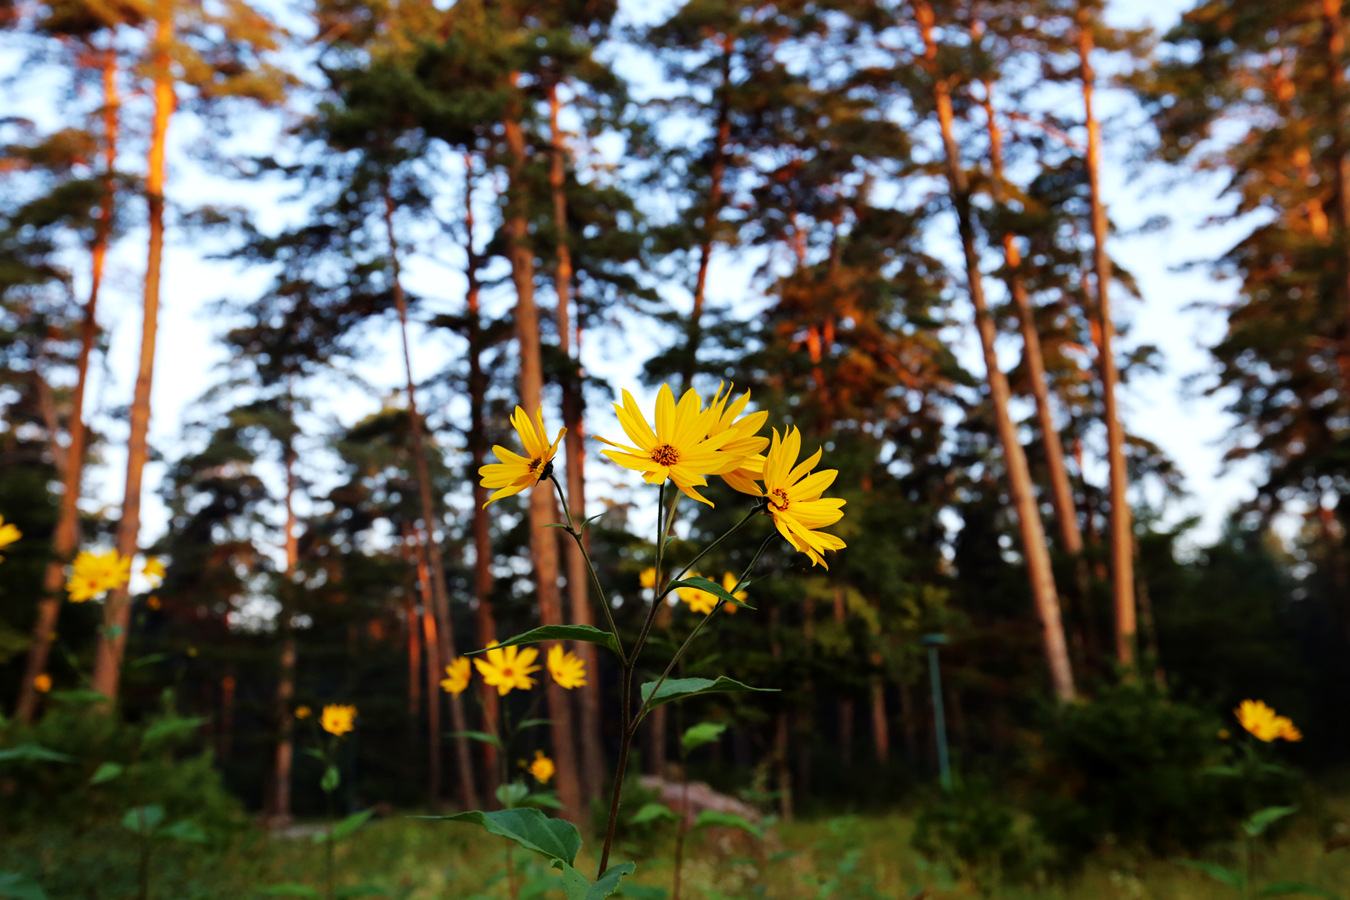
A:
[745,443]
[679,448]
[515,473]
[1263,724]
[648,580]
[337,719]
[542,768]
[729,582]
[568,669]
[303,712]
[97,573]
[153,572]
[508,668]
[457,676]
[793,492]
[699,601]
[43,683]
[9,533]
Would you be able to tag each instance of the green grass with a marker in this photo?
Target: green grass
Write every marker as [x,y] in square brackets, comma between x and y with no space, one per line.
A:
[853,858]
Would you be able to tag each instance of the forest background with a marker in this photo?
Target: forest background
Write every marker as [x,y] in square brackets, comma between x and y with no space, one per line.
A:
[375,229]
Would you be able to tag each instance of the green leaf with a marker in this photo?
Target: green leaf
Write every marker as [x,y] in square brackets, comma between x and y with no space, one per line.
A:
[1294,888]
[702,733]
[186,832]
[317,754]
[16,886]
[482,736]
[361,890]
[33,753]
[711,818]
[698,582]
[331,779]
[529,828]
[653,812]
[1222,771]
[166,728]
[533,723]
[587,633]
[1263,819]
[106,772]
[81,696]
[543,800]
[347,826]
[291,890]
[643,892]
[578,887]
[511,793]
[1221,874]
[142,820]
[147,660]
[679,688]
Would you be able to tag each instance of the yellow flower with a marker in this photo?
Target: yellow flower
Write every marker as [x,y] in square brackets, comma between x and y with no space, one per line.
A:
[1263,724]
[745,442]
[795,504]
[8,534]
[542,768]
[515,473]
[337,719]
[508,668]
[699,601]
[154,602]
[1224,734]
[648,580]
[568,669]
[153,572]
[729,582]
[303,712]
[43,683]
[457,676]
[96,573]
[679,448]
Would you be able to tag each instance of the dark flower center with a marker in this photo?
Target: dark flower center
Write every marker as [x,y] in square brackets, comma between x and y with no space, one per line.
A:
[665,455]
[779,499]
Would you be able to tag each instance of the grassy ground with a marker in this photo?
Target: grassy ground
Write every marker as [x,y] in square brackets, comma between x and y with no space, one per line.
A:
[854,858]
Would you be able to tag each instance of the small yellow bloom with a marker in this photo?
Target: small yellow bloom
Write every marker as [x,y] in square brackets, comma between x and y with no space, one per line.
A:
[154,602]
[153,572]
[97,573]
[568,669]
[728,582]
[1224,734]
[745,444]
[303,712]
[43,683]
[515,473]
[9,533]
[542,768]
[679,448]
[457,676]
[1263,724]
[795,504]
[508,668]
[699,601]
[648,580]
[192,652]
[337,719]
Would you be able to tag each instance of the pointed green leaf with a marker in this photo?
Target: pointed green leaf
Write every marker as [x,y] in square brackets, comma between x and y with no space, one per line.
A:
[711,818]
[1295,889]
[1263,819]
[106,772]
[511,793]
[529,828]
[578,887]
[587,633]
[16,886]
[33,753]
[1221,874]
[698,582]
[81,696]
[482,736]
[167,728]
[331,779]
[345,827]
[147,660]
[533,723]
[643,892]
[186,832]
[543,800]
[653,812]
[679,688]
[143,820]
[702,733]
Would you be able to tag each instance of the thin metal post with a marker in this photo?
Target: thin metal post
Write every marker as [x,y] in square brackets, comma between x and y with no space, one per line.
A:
[939,713]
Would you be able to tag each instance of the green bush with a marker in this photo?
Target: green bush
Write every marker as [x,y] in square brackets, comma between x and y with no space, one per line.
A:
[978,835]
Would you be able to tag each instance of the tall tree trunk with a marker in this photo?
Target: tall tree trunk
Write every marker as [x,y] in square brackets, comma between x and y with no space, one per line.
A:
[431,637]
[477,441]
[440,594]
[67,536]
[414,622]
[1019,475]
[285,753]
[117,607]
[573,404]
[881,729]
[543,544]
[1122,533]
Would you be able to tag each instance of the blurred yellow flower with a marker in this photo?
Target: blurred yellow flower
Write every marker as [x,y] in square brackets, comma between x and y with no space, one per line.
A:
[1224,734]
[42,683]
[568,669]
[153,572]
[508,668]
[542,768]
[337,719]
[679,448]
[728,582]
[457,676]
[699,601]
[745,443]
[1263,724]
[9,533]
[303,712]
[795,504]
[648,580]
[97,573]
[515,473]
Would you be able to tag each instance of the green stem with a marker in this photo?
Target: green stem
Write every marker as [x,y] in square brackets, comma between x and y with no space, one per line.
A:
[625,746]
[704,552]
[590,567]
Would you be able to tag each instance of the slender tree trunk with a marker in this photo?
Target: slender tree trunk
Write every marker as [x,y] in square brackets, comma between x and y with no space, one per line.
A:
[910,730]
[1019,475]
[573,403]
[431,637]
[67,536]
[285,752]
[1122,533]
[477,441]
[414,621]
[543,545]
[468,792]
[881,729]
[226,739]
[117,607]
